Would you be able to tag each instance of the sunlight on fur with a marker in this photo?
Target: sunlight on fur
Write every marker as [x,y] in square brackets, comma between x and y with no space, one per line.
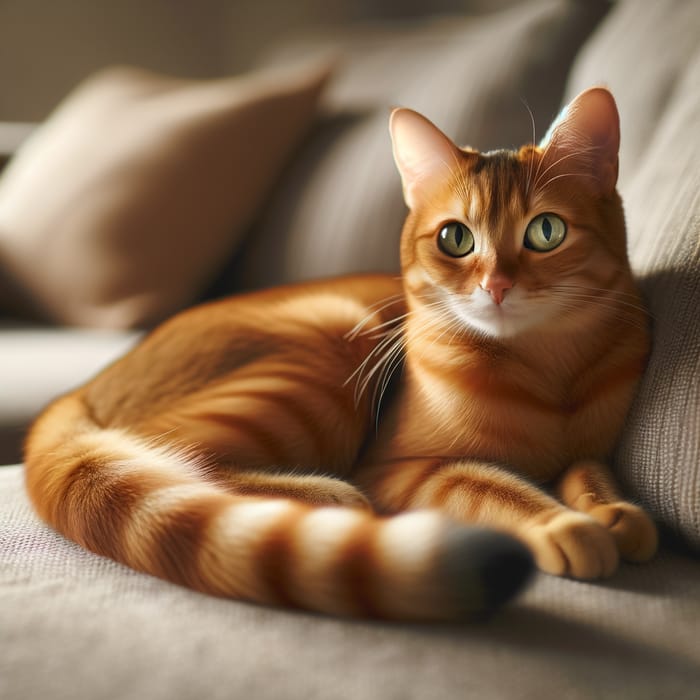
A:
[392,447]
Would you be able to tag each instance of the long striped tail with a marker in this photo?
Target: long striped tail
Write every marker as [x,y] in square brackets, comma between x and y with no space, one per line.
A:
[153,510]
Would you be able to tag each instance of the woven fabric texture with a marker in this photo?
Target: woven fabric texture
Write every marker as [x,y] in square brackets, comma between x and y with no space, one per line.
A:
[76,626]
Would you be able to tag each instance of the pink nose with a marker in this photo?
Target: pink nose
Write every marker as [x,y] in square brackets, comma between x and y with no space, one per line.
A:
[497,285]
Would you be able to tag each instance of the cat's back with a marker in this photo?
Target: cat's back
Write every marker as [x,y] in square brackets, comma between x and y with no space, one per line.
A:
[204,345]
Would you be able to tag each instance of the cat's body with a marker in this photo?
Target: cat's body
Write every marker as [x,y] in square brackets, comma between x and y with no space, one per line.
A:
[520,338]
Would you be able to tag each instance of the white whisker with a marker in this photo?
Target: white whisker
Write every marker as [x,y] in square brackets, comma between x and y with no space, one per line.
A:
[377,348]
[534,142]
[611,303]
[566,156]
[364,383]
[389,368]
[557,177]
[574,305]
[608,290]
[381,304]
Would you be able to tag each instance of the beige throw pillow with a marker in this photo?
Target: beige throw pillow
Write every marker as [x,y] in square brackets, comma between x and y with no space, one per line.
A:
[121,208]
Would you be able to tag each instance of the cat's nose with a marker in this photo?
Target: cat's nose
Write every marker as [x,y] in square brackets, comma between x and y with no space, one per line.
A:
[497,285]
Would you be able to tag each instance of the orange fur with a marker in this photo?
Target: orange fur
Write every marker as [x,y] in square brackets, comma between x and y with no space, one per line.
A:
[212,453]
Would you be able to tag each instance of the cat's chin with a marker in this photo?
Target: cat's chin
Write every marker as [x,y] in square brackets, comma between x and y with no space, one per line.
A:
[500,321]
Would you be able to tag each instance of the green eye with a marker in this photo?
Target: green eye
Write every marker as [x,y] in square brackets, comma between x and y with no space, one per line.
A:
[545,232]
[456,240]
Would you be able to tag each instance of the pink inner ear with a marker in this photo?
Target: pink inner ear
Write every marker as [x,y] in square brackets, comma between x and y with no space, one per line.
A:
[595,113]
[423,154]
[588,133]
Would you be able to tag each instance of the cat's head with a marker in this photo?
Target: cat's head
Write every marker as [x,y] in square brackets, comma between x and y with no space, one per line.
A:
[507,242]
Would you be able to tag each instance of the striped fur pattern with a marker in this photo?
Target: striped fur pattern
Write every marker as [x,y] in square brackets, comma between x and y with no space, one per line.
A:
[377,446]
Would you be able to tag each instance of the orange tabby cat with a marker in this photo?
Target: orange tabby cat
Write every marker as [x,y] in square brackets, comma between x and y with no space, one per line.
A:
[204,455]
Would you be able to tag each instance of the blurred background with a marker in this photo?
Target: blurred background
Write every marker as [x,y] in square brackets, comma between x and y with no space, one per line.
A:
[47,47]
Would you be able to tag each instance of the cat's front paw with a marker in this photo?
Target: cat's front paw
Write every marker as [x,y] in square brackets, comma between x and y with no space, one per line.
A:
[573,544]
[633,530]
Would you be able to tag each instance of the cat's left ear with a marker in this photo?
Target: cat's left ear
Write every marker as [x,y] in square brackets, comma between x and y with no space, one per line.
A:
[585,139]
[423,154]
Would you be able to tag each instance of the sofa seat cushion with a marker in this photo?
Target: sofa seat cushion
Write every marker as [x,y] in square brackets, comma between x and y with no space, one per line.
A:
[75,625]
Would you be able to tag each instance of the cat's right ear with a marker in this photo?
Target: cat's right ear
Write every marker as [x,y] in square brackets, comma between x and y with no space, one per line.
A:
[585,139]
[421,151]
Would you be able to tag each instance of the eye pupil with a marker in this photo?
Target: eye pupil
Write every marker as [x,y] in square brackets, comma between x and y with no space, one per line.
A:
[544,233]
[455,240]
[547,229]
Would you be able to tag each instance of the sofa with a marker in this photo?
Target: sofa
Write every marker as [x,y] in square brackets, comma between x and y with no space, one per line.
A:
[141,194]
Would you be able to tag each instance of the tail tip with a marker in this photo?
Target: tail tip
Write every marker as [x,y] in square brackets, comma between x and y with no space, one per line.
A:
[507,569]
[485,569]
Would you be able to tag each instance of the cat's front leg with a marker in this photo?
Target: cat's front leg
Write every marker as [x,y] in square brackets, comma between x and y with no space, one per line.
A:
[564,542]
[589,486]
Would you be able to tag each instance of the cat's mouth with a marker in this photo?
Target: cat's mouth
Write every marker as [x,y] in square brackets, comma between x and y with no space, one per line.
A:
[479,312]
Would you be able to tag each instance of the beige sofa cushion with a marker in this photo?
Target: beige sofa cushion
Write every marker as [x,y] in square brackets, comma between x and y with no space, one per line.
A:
[76,626]
[119,210]
[651,59]
[339,208]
